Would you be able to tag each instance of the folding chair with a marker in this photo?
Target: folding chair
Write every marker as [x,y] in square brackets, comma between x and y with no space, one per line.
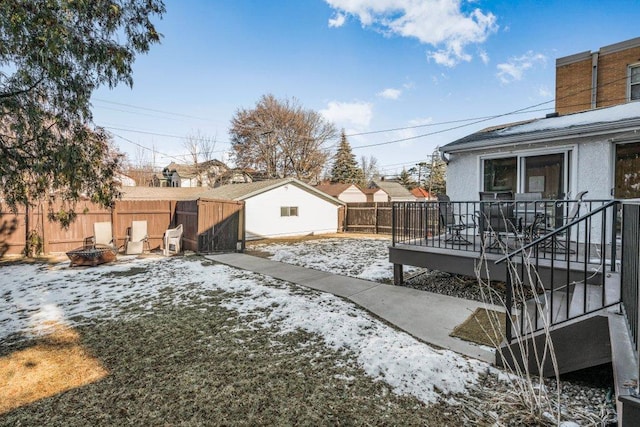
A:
[137,238]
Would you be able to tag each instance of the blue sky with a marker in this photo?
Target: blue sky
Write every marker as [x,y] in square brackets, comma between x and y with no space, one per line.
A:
[367,65]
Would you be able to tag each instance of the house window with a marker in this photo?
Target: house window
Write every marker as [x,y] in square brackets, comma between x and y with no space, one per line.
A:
[627,173]
[634,83]
[288,211]
[500,174]
[545,174]
[529,173]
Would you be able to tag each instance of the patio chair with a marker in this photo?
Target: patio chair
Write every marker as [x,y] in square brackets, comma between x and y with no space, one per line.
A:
[496,219]
[137,238]
[454,223]
[172,241]
[102,235]
[558,244]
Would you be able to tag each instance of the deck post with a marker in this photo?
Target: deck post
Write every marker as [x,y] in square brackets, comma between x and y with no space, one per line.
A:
[398,276]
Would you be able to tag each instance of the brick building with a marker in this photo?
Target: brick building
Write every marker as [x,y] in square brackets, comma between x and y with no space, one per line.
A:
[608,77]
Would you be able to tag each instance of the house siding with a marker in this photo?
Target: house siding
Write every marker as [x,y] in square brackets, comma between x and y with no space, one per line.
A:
[315,215]
[591,168]
[352,195]
[574,76]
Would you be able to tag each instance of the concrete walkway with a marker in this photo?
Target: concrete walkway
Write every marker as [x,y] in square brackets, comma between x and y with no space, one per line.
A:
[425,315]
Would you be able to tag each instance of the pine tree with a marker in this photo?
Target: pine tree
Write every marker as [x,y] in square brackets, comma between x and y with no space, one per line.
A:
[406,180]
[345,168]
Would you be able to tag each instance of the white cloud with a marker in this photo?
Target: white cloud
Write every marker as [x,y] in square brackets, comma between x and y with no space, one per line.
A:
[514,69]
[390,93]
[484,56]
[338,20]
[544,92]
[346,114]
[439,23]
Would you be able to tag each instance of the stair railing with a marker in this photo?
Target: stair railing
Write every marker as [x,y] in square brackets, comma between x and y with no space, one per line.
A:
[579,253]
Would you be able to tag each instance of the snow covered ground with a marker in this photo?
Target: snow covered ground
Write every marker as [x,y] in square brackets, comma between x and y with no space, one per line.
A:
[35,295]
[364,258]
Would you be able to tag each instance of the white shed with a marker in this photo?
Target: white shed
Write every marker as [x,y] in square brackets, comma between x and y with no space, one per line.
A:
[282,207]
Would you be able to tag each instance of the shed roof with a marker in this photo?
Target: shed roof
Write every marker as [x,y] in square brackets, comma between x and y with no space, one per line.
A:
[246,190]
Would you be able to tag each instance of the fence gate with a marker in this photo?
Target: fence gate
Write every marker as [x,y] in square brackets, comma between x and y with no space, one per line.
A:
[220,226]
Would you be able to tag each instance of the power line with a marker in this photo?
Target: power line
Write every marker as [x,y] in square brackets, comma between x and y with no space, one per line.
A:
[151,109]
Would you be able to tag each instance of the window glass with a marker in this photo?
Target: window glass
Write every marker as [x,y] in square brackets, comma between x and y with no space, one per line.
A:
[634,84]
[500,174]
[627,175]
[288,211]
[545,174]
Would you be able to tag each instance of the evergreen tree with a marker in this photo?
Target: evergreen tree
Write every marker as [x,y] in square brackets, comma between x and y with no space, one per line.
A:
[345,168]
[406,180]
[436,176]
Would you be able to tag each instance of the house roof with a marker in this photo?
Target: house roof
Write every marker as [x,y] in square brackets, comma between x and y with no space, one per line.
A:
[335,189]
[421,193]
[188,171]
[601,121]
[247,190]
[393,189]
[161,193]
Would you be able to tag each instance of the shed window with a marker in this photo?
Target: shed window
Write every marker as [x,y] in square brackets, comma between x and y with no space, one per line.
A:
[634,83]
[288,211]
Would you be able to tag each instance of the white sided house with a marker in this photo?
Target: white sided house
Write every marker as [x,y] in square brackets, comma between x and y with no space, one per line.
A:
[559,156]
[282,207]
[348,193]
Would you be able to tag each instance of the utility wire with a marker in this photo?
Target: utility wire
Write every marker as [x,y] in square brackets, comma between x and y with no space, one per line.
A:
[151,109]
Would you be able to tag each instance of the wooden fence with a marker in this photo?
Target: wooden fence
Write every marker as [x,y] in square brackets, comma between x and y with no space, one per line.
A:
[368,217]
[206,223]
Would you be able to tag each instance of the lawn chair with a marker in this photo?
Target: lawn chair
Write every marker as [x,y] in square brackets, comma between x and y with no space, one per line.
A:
[102,235]
[454,223]
[172,241]
[137,238]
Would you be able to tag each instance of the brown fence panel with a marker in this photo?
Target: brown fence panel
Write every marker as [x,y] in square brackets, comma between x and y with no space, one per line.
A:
[220,225]
[369,217]
[57,238]
[13,232]
[187,215]
[157,213]
[209,225]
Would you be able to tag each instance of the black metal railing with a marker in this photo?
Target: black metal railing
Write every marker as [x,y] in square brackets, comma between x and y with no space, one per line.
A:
[493,226]
[566,269]
[630,270]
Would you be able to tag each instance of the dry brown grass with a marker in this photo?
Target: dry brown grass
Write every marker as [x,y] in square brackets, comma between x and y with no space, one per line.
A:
[55,364]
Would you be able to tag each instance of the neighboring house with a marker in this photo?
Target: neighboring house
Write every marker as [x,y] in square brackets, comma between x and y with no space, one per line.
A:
[282,207]
[124,180]
[205,174]
[348,193]
[234,176]
[608,77]
[376,195]
[421,194]
[395,191]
